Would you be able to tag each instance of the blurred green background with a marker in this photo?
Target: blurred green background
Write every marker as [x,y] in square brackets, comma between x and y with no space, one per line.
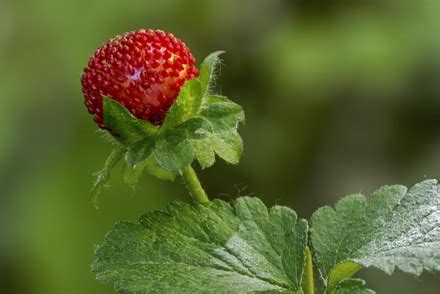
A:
[341,97]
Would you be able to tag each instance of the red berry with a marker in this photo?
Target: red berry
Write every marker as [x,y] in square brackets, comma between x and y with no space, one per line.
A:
[142,70]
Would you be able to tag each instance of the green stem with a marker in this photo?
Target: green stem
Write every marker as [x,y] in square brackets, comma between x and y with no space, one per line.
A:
[193,185]
[308,285]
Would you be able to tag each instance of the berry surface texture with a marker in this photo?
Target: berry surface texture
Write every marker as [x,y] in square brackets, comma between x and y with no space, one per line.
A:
[142,70]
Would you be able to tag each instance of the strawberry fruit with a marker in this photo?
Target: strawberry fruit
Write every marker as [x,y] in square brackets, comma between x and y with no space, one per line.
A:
[142,70]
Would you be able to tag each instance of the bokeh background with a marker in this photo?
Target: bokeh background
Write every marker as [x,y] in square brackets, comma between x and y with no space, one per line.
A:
[341,97]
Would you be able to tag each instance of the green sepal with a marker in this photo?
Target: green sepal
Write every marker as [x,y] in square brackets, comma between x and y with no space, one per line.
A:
[153,168]
[197,126]
[185,107]
[224,140]
[174,151]
[127,126]
[207,71]
[140,151]
[131,175]
[103,175]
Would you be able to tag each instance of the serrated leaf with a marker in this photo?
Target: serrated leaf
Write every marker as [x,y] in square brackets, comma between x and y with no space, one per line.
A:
[186,106]
[207,71]
[173,151]
[228,145]
[224,140]
[103,175]
[204,153]
[394,228]
[207,248]
[217,107]
[352,286]
[196,128]
[128,127]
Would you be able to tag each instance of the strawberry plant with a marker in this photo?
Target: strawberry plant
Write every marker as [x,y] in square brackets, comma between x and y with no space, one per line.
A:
[162,116]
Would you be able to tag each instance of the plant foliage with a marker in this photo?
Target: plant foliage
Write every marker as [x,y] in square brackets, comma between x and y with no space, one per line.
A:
[244,247]
[207,248]
[199,125]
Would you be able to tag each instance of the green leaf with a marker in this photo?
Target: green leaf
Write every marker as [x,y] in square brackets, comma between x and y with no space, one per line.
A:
[196,128]
[394,228]
[128,127]
[108,137]
[224,140]
[352,286]
[103,175]
[204,153]
[174,151]
[140,151]
[207,248]
[186,106]
[207,71]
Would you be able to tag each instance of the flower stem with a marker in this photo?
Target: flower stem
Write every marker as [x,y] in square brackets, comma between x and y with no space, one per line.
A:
[308,285]
[193,185]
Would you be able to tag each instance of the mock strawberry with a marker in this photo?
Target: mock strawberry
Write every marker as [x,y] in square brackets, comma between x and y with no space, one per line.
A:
[143,70]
